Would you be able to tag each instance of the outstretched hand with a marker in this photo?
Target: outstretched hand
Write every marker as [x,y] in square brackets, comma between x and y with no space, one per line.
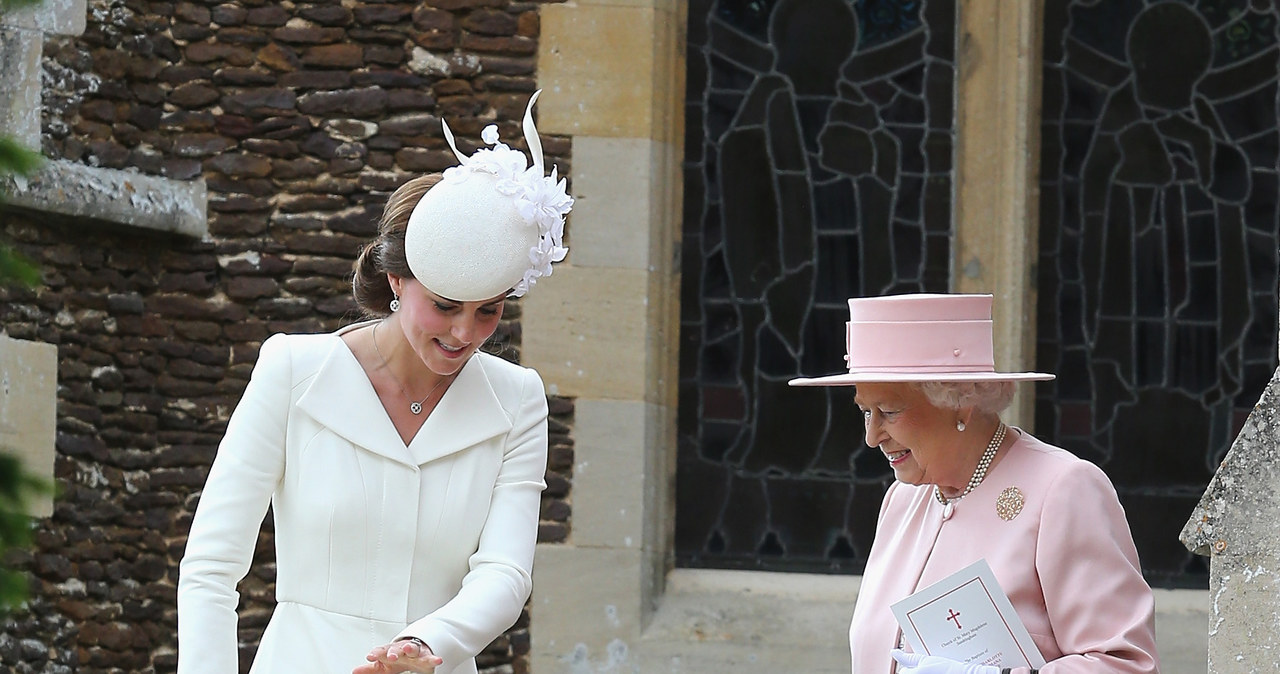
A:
[915,663]
[399,656]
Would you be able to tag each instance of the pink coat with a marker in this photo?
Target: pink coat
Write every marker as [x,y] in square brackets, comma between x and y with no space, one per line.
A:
[1067,562]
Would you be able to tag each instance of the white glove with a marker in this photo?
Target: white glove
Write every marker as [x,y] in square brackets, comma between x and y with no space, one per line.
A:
[915,663]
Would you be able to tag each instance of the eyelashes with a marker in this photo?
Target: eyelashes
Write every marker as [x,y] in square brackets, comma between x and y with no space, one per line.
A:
[887,415]
[449,308]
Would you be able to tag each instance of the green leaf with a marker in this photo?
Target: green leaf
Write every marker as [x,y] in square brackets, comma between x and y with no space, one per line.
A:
[15,268]
[14,158]
[16,486]
[9,5]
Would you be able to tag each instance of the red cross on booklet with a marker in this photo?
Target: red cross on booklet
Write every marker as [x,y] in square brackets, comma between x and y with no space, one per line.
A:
[992,633]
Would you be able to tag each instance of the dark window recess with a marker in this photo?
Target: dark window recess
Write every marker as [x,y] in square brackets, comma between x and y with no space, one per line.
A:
[1158,247]
[818,158]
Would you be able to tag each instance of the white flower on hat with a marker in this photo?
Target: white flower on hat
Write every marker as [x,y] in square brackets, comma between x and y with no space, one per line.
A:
[544,201]
[500,161]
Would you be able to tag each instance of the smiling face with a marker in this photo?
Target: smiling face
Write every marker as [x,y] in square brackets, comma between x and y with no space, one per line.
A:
[444,333]
[917,438]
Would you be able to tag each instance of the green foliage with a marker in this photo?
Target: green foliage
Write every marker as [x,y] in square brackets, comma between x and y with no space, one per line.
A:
[8,5]
[16,487]
[14,267]
[14,158]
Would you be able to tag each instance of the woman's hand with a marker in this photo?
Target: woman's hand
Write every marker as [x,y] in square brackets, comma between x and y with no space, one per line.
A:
[405,655]
[914,663]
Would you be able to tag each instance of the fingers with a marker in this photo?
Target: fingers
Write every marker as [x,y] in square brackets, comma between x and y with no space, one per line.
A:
[378,654]
[906,659]
[415,651]
[400,656]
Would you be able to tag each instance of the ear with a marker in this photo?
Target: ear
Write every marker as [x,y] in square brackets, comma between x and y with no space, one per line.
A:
[964,415]
[396,283]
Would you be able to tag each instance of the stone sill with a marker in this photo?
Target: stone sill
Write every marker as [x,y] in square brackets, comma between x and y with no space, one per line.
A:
[113,196]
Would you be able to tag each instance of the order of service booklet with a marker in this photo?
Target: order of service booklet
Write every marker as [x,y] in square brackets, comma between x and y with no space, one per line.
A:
[968,618]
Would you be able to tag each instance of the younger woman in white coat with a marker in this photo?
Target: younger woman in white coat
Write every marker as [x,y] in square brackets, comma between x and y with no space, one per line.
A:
[404,467]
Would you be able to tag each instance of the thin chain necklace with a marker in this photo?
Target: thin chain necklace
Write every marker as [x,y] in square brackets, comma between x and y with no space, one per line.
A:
[414,406]
[980,472]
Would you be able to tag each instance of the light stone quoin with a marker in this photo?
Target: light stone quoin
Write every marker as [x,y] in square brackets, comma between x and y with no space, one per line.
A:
[1237,525]
[604,330]
[28,410]
[22,34]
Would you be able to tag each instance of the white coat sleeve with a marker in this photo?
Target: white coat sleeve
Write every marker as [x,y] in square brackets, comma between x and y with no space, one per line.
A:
[245,472]
[499,579]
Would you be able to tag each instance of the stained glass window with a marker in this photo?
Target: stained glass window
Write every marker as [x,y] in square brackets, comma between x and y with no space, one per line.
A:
[1158,260]
[817,168]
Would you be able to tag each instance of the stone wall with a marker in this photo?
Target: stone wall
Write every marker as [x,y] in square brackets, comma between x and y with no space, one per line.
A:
[300,118]
[1235,524]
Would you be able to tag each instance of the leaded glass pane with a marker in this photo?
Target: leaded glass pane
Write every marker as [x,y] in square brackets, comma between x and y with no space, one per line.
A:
[1158,247]
[818,159]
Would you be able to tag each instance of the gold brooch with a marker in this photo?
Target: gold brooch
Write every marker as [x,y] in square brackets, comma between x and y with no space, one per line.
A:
[1009,503]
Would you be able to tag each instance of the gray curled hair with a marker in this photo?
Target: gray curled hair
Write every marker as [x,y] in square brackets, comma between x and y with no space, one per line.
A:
[985,396]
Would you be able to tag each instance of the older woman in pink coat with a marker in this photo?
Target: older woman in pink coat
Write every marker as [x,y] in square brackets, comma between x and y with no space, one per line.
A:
[969,487]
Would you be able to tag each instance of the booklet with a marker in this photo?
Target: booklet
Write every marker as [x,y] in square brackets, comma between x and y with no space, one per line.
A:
[967,617]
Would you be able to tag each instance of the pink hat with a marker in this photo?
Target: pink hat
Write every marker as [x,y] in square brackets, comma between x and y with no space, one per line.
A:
[919,337]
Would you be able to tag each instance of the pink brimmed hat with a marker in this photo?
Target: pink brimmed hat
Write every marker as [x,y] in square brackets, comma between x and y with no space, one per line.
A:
[920,337]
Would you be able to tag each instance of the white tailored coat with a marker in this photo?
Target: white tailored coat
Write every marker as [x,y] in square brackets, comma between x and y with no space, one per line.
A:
[374,540]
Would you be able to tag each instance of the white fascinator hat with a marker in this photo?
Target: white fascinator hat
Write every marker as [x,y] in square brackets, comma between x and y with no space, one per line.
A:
[493,225]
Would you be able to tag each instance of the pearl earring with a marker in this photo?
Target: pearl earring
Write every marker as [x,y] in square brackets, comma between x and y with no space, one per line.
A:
[395,303]
[960,426]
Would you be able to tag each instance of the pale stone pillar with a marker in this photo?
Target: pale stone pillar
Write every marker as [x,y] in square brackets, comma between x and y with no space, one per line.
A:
[28,410]
[21,41]
[1237,524]
[997,169]
[20,85]
[604,328]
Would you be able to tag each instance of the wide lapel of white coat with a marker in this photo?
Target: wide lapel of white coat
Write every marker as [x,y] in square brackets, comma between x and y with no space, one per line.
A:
[469,413]
[341,398]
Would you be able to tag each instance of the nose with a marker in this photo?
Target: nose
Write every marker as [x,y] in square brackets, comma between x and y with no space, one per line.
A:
[463,328]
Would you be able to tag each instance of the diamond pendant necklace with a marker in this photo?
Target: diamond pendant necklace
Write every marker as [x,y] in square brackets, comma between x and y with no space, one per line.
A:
[981,471]
[415,406]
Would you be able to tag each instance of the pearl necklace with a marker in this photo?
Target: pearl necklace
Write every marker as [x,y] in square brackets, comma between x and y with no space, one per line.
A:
[981,471]
[415,406]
